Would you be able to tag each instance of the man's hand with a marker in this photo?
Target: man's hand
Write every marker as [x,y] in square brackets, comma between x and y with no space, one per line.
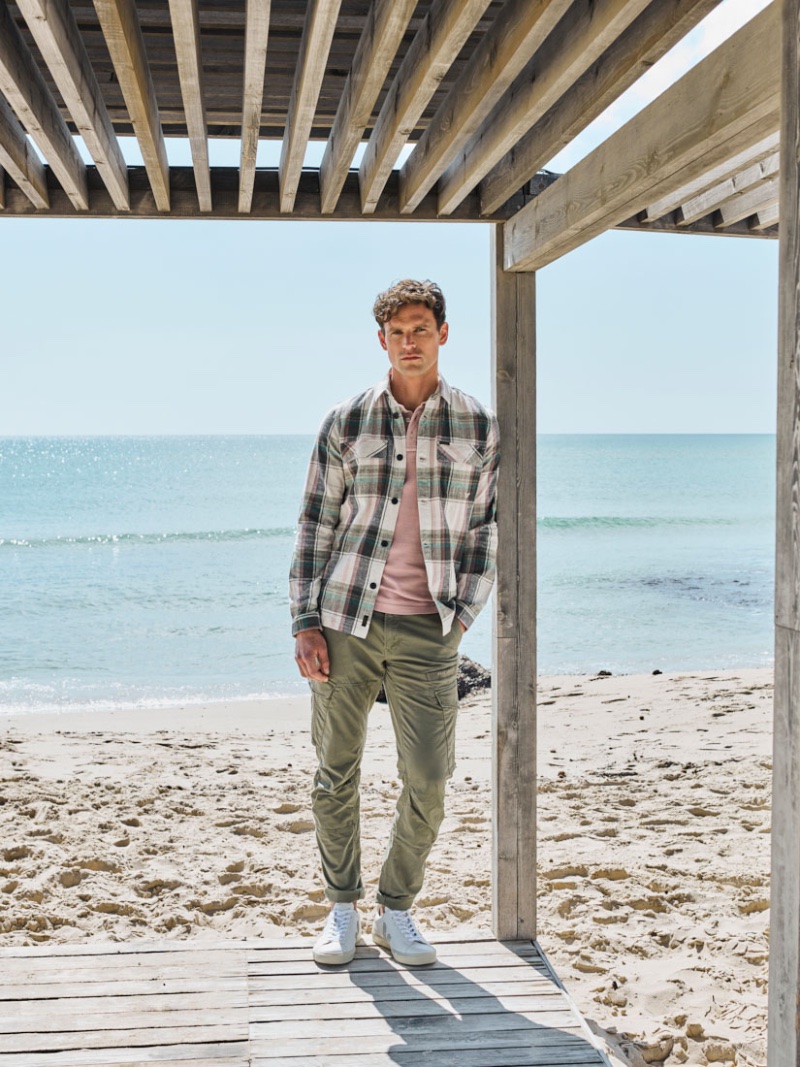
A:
[311,655]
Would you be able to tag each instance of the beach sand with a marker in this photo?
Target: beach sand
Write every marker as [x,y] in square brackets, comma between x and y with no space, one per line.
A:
[654,809]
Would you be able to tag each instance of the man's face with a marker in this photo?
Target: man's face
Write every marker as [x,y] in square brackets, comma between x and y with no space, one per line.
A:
[412,339]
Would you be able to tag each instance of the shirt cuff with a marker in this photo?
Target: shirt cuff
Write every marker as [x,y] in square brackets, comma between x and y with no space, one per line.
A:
[309,621]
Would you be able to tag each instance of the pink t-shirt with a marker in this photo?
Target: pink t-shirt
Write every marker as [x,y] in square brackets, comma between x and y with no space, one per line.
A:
[404,584]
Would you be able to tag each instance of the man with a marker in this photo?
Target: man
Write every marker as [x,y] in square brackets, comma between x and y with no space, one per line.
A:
[394,559]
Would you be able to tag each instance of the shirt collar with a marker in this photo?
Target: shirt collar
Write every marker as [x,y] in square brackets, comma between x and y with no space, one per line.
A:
[443,392]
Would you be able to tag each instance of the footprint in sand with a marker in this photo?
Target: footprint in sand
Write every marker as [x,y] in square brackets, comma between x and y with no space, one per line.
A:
[286,809]
[299,826]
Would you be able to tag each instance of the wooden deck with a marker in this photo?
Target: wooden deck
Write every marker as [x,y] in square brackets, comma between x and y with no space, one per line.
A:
[220,1004]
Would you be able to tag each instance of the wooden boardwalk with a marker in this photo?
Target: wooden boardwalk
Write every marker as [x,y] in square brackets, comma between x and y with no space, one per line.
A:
[242,1004]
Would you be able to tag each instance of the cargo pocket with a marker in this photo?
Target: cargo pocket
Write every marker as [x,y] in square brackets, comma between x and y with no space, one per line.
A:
[444,683]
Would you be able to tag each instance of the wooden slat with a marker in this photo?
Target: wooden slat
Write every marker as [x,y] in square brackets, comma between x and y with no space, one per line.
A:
[130,1037]
[20,160]
[652,34]
[783,1044]
[315,45]
[386,22]
[727,102]
[707,180]
[396,993]
[502,53]
[157,983]
[438,1023]
[514,689]
[186,34]
[401,1056]
[218,1054]
[699,206]
[26,91]
[746,204]
[225,185]
[120,24]
[256,38]
[765,219]
[60,1027]
[568,53]
[441,37]
[671,223]
[58,38]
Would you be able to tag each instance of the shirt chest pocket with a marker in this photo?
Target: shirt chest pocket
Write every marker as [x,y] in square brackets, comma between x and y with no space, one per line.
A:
[459,469]
[365,462]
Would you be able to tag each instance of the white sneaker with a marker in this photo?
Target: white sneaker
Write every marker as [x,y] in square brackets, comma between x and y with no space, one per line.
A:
[337,942]
[398,932]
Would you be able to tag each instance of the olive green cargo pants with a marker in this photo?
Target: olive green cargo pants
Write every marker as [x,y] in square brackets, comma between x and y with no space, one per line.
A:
[418,666]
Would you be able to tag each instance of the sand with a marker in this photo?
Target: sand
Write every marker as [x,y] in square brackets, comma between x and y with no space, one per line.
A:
[654,808]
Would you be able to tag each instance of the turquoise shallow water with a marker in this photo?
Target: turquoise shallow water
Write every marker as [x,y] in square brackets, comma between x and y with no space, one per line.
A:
[146,571]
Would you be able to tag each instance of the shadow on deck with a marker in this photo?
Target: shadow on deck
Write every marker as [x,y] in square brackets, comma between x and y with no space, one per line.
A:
[241,1004]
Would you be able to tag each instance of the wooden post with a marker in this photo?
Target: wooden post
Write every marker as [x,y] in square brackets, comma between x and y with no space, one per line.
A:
[784,955]
[514,688]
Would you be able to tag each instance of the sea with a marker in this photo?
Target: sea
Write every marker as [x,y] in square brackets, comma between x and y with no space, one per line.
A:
[138,572]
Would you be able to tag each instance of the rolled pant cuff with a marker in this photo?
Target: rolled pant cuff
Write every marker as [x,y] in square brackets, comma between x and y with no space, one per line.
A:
[395,903]
[344,896]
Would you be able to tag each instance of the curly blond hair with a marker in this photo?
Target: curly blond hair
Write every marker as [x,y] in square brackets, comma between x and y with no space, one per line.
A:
[409,291]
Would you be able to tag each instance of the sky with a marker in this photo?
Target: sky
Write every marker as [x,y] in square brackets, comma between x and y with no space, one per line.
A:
[211,327]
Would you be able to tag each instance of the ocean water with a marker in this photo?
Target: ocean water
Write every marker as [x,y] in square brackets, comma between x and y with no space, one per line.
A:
[144,571]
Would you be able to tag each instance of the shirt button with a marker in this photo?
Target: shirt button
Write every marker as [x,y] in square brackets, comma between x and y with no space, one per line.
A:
[400,456]
[384,544]
[373,585]
[394,499]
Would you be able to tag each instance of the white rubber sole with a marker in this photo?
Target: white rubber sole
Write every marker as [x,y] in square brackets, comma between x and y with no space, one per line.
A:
[332,959]
[417,960]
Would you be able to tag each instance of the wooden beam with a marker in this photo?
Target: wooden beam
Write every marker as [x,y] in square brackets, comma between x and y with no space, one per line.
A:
[430,55]
[119,22]
[58,38]
[648,38]
[699,206]
[765,219]
[386,22]
[510,42]
[256,37]
[723,105]
[266,200]
[671,223]
[315,45]
[186,34]
[746,204]
[20,160]
[725,170]
[26,91]
[783,1043]
[569,51]
[514,669]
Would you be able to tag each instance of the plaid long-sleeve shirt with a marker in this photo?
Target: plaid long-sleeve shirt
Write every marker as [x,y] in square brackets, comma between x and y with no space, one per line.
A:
[351,502]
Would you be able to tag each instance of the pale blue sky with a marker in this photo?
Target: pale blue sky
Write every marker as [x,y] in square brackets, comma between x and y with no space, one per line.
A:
[252,327]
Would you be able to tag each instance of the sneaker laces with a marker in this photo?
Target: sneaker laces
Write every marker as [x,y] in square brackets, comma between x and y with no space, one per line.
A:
[338,922]
[408,927]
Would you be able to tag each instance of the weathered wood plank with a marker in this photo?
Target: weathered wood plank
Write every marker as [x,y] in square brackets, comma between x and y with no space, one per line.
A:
[645,41]
[724,171]
[443,1023]
[533,1038]
[576,43]
[502,53]
[113,1003]
[743,205]
[419,1006]
[186,33]
[783,1045]
[315,45]
[386,22]
[441,37]
[159,982]
[120,24]
[397,993]
[725,103]
[699,206]
[671,223]
[381,983]
[225,190]
[156,1036]
[228,1021]
[224,1054]
[26,91]
[514,690]
[256,38]
[477,1057]
[765,219]
[20,160]
[61,45]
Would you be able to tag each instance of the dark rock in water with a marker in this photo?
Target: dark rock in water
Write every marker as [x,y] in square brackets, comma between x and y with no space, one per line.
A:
[657,672]
[472,678]
[604,674]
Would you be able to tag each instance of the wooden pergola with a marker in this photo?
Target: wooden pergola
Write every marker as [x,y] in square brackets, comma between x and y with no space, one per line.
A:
[484,93]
